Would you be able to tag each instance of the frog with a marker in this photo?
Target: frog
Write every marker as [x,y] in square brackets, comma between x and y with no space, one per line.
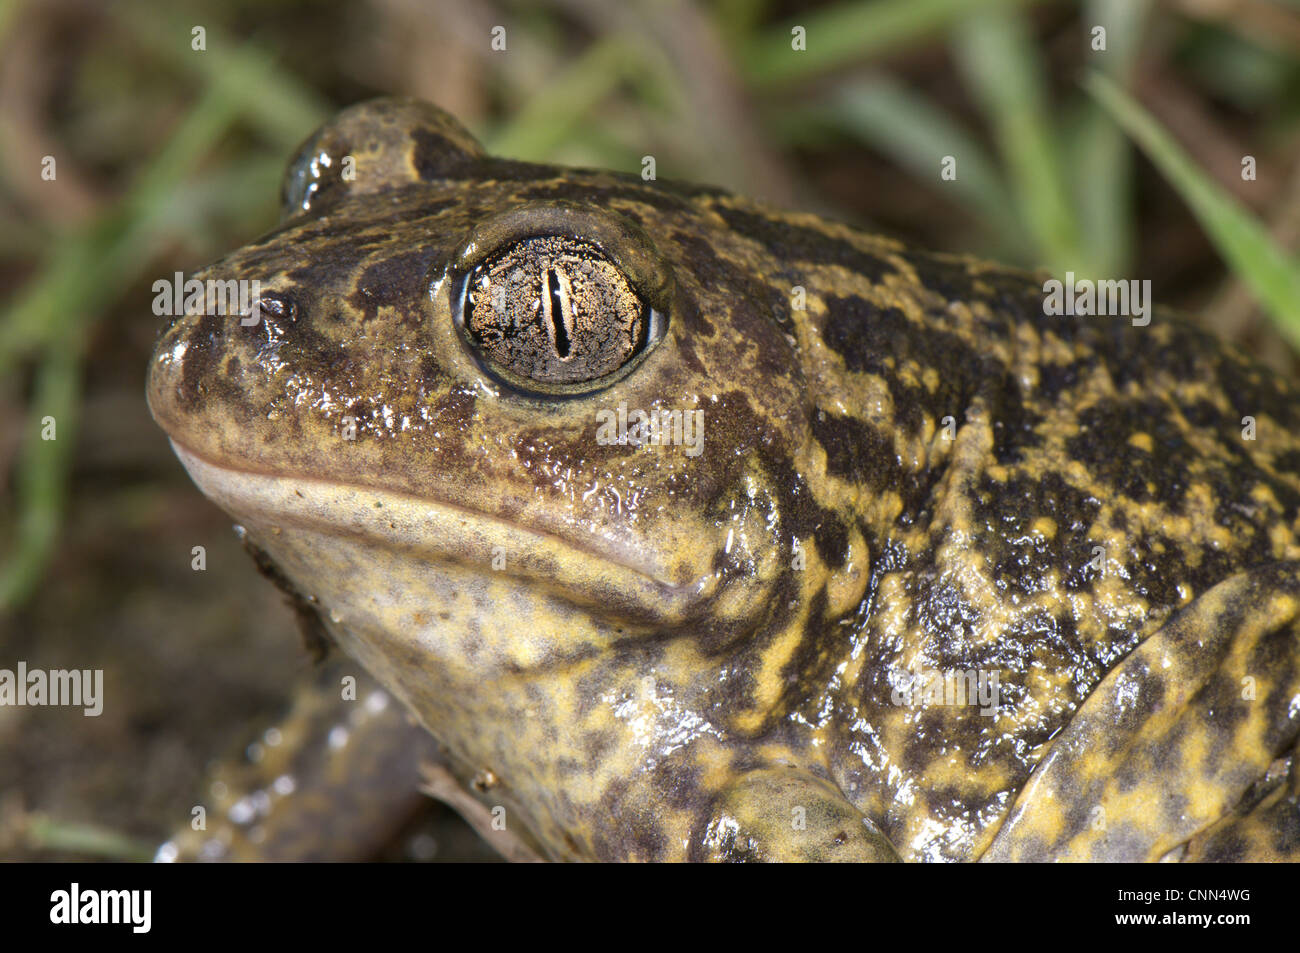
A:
[694,529]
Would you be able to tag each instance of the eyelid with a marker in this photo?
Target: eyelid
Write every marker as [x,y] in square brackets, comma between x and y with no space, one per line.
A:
[617,238]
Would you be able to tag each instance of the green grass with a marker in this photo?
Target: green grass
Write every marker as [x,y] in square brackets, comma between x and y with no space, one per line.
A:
[87,271]
[90,840]
[850,33]
[1272,274]
[1006,77]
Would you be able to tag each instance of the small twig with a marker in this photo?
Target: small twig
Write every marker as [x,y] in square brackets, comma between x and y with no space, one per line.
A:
[440,783]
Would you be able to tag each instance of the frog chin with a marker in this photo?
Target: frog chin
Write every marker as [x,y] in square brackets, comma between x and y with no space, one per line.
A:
[619,585]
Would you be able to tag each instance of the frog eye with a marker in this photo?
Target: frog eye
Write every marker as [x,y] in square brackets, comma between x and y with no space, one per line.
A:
[555,311]
[559,299]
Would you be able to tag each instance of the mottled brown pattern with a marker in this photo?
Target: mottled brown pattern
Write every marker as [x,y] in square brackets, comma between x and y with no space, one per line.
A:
[908,467]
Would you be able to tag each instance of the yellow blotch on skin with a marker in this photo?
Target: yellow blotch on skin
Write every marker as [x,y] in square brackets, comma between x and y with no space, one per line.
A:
[1044,527]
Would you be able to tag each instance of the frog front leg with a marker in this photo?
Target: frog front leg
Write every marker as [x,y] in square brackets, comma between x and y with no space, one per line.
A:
[1176,736]
[1264,828]
[784,813]
[333,780]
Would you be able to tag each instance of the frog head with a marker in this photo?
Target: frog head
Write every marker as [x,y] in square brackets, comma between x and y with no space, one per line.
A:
[495,412]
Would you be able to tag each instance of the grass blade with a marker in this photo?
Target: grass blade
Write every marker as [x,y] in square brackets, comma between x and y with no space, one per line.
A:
[555,111]
[997,54]
[1269,271]
[917,134]
[1099,157]
[854,32]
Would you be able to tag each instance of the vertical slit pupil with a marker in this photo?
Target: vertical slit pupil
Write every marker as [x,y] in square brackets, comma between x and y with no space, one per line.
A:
[557,313]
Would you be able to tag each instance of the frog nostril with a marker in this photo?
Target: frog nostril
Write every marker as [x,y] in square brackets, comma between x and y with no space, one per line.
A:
[279,307]
[270,315]
[558,308]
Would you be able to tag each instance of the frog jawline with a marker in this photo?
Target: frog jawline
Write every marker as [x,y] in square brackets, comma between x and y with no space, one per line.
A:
[442,531]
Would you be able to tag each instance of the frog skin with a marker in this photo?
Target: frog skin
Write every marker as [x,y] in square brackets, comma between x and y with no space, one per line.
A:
[908,468]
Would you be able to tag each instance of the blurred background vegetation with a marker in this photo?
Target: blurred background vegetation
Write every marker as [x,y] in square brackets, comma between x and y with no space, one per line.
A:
[1119,163]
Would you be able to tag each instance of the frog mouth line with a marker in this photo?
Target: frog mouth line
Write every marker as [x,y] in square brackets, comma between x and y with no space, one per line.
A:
[445,532]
